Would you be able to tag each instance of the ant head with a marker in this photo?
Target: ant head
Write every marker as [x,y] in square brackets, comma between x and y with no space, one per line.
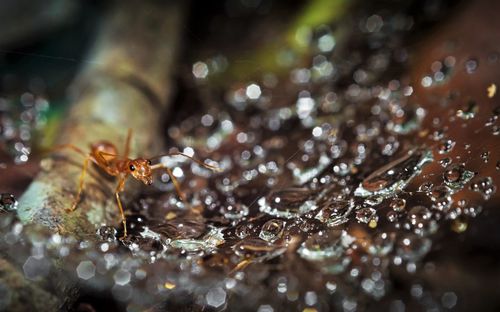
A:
[140,169]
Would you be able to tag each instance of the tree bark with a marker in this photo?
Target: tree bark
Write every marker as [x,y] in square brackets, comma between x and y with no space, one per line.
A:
[127,85]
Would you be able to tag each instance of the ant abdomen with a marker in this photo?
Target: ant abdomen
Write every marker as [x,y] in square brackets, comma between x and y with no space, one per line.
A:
[107,149]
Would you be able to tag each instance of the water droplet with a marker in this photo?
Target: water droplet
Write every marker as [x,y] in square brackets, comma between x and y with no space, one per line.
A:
[338,149]
[331,287]
[392,216]
[374,23]
[438,135]
[446,146]
[485,156]
[469,111]
[374,200]
[365,215]
[449,300]
[445,162]
[200,70]
[253,91]
[421,220]
[343,169]
[265,308]
[243,230]
[322,245]
[257,249]
[235,211]
[425,187]
[85,270]
[36,268]
[455,176]
[473,211]
[394,176]
[8,202]
[122,277]
[305,106]
[272,230]
[471,66]
[426,81]
[381,245]
[398,204]
[206,243]
[440,196]
[413,247]
[405,119]
[391,146]
[335,212]
[484,186]
[288,203]
[302,174]
[107,233]
[216,297]
[310,225]
[181,228]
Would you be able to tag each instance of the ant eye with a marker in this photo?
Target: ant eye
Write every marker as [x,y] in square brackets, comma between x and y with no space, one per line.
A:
[132,167]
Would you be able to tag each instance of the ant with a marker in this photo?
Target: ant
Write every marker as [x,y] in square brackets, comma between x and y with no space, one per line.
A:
[105,155]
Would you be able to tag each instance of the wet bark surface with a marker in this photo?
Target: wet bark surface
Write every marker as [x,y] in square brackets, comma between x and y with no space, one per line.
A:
[361,177]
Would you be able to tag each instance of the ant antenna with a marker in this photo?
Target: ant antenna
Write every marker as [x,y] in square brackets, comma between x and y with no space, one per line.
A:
[214,168]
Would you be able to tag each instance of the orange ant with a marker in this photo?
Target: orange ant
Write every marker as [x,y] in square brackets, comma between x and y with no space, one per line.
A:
[105,155]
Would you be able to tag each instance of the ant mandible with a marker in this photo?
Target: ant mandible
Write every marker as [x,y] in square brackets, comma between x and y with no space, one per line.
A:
[105,155]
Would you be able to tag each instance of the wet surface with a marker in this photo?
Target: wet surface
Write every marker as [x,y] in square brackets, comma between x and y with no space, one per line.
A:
[338,195]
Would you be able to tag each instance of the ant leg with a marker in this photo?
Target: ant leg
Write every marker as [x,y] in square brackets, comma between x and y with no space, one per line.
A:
[69,146]
[119,188]
[176,184]
[173,178]
[82,175]
[82,179]
[124,221]
[127,143]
